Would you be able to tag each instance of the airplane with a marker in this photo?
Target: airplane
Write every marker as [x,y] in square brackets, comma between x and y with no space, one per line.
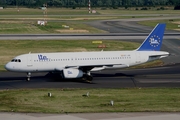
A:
[72,65]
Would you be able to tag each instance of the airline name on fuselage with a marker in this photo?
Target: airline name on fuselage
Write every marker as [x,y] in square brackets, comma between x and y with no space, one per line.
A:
[43,57]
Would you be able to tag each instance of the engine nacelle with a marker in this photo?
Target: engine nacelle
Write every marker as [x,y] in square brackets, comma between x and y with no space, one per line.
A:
[72,73]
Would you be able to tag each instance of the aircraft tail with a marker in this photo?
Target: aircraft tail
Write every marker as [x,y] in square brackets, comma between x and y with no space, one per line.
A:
[153,41]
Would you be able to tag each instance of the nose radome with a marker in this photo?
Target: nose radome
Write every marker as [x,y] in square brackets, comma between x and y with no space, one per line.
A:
[7,66]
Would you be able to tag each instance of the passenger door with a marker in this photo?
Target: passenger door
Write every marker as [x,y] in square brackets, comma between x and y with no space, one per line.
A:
[29,61]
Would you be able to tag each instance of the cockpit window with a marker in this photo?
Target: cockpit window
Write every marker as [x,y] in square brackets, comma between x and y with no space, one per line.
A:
[12,60]
[15,60]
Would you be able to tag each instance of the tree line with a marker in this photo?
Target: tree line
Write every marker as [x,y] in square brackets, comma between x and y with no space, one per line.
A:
[94,3]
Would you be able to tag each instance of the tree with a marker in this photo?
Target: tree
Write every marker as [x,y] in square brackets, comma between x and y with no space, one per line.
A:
[99,3]
[94,3]
[108,3]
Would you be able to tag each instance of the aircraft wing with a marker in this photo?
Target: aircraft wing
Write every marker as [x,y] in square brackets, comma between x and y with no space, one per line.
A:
[93,67]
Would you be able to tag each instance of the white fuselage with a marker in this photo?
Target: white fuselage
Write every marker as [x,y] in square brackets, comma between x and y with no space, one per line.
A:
[46,62]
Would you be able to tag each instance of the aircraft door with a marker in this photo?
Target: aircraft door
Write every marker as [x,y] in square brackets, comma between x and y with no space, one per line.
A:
[29,61]
[138,58]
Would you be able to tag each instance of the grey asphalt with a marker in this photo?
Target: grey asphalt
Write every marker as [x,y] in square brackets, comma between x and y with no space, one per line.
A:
[165,76]
[91,116]
[129,25]
[100,36]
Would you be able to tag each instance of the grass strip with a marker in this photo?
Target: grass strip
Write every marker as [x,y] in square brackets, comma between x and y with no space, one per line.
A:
[31,27]
[171,24]
[76,101]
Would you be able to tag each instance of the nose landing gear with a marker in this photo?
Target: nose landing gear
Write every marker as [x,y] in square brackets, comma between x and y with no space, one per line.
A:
[28,76]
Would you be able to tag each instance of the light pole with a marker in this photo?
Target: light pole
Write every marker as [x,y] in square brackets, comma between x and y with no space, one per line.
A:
[68,3]
[89,6]
[17,6]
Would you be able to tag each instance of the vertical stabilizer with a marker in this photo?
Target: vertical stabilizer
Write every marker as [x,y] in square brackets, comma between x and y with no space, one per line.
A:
[153,41]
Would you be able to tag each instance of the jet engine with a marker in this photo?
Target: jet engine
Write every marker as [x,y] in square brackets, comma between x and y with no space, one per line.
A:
[72,73]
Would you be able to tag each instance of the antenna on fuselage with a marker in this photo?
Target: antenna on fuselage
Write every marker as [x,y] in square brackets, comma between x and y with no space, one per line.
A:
[29,52]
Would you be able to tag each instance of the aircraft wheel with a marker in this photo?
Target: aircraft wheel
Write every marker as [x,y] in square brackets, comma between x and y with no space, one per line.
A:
[28,76]
[89,78]
[28,79]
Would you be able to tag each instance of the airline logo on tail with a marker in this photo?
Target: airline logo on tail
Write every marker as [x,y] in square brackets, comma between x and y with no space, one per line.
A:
[154,41]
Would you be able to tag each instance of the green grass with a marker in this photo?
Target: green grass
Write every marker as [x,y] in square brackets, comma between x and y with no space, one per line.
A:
[31,27]
[73,101]
[12,48]
[19,27]
[56,27]
[171,24]
[149,64]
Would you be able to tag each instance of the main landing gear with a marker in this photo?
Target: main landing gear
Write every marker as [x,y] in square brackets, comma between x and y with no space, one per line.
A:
[87,77]
[28,76]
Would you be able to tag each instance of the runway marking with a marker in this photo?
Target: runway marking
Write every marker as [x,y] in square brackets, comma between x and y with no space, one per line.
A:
[145,69]
[159,81]
[9,86]
[165,76]
[132,78]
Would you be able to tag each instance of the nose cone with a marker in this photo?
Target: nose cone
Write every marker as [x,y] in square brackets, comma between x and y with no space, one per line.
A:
[8,67]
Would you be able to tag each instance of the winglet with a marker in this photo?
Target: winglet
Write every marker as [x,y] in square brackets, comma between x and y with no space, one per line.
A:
[153,41]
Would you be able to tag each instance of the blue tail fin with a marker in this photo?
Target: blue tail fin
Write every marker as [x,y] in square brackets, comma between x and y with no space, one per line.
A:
[154,40]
